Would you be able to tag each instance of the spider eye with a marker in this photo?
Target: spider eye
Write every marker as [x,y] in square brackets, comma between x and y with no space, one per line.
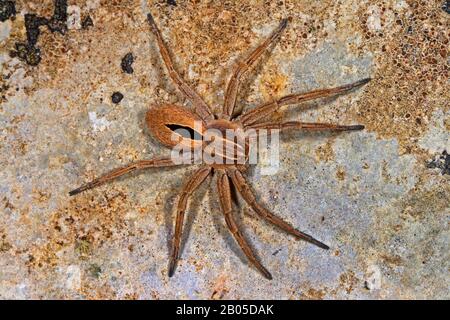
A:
[185,131]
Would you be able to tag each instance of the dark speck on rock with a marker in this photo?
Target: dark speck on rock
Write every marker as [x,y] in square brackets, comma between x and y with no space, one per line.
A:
[87,22]
[116,97]
[276,252]
[32,25]
[28,53]
[57,23]
[95,270]
[127,62]
[171,2]
[441,162]
[7,10]
[446,6]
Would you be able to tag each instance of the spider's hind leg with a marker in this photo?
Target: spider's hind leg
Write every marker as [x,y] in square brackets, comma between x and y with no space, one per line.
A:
[244,189]
[194,182]
[223,186]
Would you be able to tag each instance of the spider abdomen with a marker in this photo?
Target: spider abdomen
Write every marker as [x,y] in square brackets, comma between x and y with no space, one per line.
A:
[173,125]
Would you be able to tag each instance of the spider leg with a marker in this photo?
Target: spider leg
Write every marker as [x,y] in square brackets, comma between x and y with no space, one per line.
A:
[194,182]
[200,106]
[116,173]
[304,126]
[223,186]
[244,189]
[233,84]
[258,113]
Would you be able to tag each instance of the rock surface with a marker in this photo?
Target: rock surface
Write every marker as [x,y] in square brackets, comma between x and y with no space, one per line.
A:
[373,196]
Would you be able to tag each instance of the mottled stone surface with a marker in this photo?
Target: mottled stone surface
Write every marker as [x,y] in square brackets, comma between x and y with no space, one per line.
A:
[373,196]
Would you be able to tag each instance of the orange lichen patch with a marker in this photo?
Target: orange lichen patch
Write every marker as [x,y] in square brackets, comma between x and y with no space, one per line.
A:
[83,248]
[340,173]
[212,27]
[57,161]
[412,70]
[348,281]
[85,224]
[198,265]
[447,123]
[420,203]
[272,84]
[392,260]
[314,294]
[325,152]
[220,288]
[95,291]
[131,296]
[41,196]
[19,147]
[41,8]
[44,256]
[128,154]
[4,244]
[384,172]
[7,204]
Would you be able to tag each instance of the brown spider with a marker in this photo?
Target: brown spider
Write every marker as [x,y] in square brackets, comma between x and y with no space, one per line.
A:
[163,119]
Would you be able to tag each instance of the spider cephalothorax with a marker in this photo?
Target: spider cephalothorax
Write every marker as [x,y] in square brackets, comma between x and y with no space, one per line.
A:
[164,120]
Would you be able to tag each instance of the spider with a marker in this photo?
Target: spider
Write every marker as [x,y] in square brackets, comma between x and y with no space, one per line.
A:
[162,120]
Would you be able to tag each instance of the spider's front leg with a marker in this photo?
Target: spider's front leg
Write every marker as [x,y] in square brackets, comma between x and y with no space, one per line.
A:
[223,186]
[306,126]
[243,67]
[200,106]
[257,114]
[116,173]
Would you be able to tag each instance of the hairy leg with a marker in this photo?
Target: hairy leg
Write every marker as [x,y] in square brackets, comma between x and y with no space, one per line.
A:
[244,189]
[255,115]
[200,106]
[194,182]
[306,126]
[234,82]
[116,173]
[223,186]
